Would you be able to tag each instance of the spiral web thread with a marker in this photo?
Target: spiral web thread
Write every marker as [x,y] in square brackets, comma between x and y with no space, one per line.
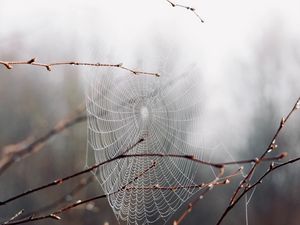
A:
[122,109]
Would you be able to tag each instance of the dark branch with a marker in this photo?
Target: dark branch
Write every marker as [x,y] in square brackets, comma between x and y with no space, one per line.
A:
[239,192]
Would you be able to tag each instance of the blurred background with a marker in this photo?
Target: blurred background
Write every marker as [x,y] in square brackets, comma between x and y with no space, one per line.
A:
[246,54]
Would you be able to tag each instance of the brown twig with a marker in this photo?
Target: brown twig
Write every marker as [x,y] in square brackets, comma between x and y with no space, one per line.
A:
[54,215]
[188,157]
[186,7]
[259,181]
[82,184]
[218,165]
[13,153]
[61,180]
[272,145]
[219,180]
[48,66]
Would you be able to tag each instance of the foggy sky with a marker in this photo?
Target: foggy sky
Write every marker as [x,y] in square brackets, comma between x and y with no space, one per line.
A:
[128,31]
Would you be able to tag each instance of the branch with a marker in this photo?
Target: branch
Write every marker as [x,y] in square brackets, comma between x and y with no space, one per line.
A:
[82,184]
[59,181]
[186,7]
[236,197]
[14,217]
[54,215]
[248,188]
[219,180]
[49,66]
[13,153]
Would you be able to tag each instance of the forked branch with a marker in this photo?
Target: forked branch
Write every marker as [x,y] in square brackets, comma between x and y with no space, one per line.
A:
[54,215]
[244,186]
[59,181]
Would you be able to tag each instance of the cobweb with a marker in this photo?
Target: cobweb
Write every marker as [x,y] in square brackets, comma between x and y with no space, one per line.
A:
[122,109]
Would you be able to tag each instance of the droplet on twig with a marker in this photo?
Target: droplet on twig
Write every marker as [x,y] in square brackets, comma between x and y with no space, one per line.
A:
[90,206]
[227,181]
[282,122]
[298,105]
[55,216]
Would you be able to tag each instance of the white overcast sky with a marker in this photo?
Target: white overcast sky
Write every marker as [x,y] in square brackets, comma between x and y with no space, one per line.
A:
[120,29]
[230,26]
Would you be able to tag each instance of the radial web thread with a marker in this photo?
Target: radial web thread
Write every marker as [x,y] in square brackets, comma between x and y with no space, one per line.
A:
[122,109]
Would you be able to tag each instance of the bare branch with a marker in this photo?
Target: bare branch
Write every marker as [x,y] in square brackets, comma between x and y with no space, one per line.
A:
[82,184]
[13,153]
[54,215]
[14,217]
[219,180]
[248,188]
[237,195]
[186,7]
[49,66]
[59,181]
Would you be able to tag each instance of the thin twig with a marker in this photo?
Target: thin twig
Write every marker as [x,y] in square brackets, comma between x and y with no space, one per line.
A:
[272,145]
[247,161]
[270,148]
[13,153]
[220,166]
[219,180]
[248,188]
[48,66]
[186,7]
[82,184]
[14,217]
[61,180]
[54,215]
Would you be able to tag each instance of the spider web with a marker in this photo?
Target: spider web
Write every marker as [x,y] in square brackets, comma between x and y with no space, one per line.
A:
[163,111]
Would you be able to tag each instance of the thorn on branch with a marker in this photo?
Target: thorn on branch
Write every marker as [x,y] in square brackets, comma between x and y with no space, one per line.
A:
[48,68]
[31,61]
[7,65]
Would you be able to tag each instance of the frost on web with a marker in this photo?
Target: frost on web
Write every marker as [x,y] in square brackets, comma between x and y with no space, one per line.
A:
[122,109]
